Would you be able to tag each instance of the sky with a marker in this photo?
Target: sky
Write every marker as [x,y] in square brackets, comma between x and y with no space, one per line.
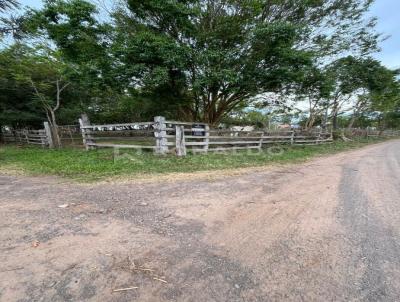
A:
[387,12]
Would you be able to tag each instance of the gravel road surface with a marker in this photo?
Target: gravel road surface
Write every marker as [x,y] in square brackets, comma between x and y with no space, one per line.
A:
[325,230]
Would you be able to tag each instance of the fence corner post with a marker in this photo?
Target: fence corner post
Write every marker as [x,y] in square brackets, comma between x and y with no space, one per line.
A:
[318,140]
[84,121]
[49,135]
[261,141]
[292,137]
[206,137]
[160,133]
[180,140]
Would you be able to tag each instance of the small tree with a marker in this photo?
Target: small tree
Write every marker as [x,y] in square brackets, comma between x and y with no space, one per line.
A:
[17,107]
[47,76]
[315,90]
[361,83]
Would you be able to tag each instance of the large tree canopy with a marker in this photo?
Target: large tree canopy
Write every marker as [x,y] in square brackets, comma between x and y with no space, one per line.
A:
[205,58]
[364,83]
[33,84]
[349,85]
[18,107]
[8,4]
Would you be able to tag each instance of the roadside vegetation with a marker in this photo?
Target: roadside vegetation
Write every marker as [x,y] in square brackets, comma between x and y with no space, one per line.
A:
[263,64]
[220,62]
[95,165]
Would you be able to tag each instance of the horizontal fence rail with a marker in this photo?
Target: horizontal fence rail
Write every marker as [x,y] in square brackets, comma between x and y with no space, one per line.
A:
[127,135]
[70,135]
[203,139]
[368,132]
[25,136]
[165,136]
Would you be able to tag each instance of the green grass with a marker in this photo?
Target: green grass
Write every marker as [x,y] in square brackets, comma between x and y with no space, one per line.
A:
[100,164]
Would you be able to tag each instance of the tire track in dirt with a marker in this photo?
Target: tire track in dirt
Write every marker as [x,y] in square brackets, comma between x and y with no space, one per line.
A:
[374,264]
[327,230]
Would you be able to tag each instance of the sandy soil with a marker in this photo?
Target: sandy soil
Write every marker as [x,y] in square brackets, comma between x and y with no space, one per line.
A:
[326,230]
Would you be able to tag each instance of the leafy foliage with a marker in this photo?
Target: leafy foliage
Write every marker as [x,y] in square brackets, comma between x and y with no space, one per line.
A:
[99,164]
[8,4]
[196,60]
[203,59]
[17,103]
[365,83]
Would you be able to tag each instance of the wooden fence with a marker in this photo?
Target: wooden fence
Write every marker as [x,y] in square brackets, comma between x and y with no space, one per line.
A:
[391,133]
[127,135]
[368,132]
[165,136]
[70,135]
[40,137]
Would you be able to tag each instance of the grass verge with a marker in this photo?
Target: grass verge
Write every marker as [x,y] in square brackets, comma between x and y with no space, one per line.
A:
[100,164]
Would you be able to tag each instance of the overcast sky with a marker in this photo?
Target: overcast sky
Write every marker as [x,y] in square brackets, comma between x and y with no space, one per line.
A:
[387,12]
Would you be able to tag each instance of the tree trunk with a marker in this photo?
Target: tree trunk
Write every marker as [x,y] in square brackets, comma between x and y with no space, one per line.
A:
[325,121]
[334,121]
[54,130]
[51,112]
[310,122]
[353,119]
[335,114]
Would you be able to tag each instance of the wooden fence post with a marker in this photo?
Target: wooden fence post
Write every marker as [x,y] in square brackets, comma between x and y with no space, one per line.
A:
[86,137]
[81,124]
[292,137]
[19,136]
[206,137]
[319,136]
[26,136]
[49,135]
[160,133]
[261,141]
[180,140]
[16,135]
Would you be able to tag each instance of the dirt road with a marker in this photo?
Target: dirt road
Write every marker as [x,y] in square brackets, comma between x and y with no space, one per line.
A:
[326,230]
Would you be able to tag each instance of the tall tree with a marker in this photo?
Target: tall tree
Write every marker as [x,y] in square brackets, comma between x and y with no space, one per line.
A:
[71,28]
[7,5]
[361,83]
[9,23]
[48,77]
[202,58]
[315,90]
[18,109]
[384,99]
